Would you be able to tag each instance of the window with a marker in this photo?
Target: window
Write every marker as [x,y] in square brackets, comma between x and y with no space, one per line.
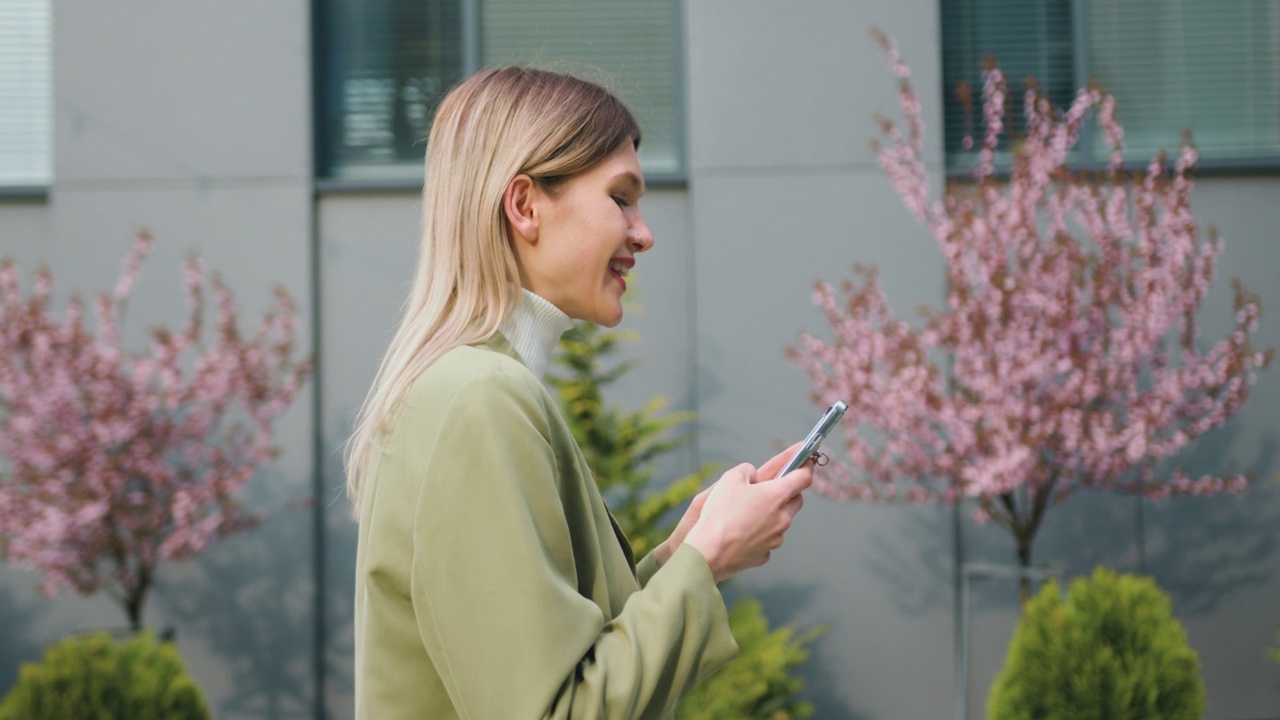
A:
[26,94]
[386,64]
[1173,65]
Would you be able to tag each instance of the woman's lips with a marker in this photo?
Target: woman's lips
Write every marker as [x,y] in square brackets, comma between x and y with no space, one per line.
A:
[620,265]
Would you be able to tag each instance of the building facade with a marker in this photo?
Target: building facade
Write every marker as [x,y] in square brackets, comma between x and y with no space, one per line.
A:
[263,135]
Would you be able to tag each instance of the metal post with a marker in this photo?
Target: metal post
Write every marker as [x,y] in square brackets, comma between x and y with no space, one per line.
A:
[961,609]
[970,572]
[470,36]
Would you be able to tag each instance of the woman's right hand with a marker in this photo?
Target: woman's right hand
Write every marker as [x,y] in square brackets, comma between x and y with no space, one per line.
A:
[742,520]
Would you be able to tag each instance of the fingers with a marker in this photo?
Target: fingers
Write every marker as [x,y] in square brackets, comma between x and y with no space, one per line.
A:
[745,472]
[769,470]
[700,499]
[793,483]
[794,504]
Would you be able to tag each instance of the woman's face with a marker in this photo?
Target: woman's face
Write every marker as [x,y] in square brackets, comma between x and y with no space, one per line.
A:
[582,241]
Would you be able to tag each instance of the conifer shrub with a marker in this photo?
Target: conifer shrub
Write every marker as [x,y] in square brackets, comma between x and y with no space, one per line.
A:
[95,677]
[1111,650]
[758,683]
[621,448]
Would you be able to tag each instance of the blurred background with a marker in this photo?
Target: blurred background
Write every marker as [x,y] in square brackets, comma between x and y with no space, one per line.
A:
[284,140]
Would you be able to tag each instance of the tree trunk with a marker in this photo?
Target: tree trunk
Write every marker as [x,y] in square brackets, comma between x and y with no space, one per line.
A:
[137,598]
[1024,540]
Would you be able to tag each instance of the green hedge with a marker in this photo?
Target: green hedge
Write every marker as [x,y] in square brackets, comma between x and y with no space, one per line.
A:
[95,677]
[1111,650]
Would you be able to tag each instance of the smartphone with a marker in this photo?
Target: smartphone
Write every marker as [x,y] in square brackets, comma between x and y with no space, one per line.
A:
[815,437]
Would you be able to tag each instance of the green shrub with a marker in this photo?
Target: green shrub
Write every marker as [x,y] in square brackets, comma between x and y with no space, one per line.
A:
[1111,650]
[94,677]
[621,447]
[758,683]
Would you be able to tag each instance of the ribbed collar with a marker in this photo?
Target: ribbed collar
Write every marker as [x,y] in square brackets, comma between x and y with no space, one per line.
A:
[533,331]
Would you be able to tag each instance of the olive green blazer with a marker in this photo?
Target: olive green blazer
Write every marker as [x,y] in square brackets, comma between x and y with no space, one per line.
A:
[492,582]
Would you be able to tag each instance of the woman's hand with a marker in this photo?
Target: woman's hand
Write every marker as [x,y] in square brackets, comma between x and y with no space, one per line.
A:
[743,518]
[769,470]
[663,552]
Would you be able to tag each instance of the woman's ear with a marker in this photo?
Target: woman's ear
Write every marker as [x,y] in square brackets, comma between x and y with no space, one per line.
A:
[518,203]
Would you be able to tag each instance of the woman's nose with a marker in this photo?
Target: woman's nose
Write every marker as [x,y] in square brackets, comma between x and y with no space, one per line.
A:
[639,238]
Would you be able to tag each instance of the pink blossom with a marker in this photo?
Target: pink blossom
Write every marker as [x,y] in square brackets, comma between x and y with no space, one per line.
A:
[117,460]
[1067,354]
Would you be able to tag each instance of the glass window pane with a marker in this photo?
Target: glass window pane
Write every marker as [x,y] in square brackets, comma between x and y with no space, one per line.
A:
[1027,38]
[386,66]
[630,46]
[26,93]
[1213,68]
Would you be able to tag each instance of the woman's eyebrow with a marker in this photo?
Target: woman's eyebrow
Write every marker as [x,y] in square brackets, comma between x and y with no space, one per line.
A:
[632,179]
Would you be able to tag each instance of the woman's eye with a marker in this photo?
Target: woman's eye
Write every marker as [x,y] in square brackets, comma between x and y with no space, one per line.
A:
[622,202]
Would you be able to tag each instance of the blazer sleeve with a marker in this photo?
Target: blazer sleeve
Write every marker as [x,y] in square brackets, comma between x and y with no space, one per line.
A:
[494,585]
[646,568]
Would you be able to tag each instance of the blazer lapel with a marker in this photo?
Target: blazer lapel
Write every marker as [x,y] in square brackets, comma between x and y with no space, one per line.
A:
[622,538]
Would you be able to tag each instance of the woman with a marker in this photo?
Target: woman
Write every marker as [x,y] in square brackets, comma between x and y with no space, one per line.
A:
[491,581]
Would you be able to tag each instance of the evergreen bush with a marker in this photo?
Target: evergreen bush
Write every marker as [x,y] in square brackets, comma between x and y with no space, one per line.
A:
[94,677]
[621,448]
[1111,650]
[758,683]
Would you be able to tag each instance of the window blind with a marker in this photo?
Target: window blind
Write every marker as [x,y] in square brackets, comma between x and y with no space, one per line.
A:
[1027,38]
[1211,67]
[387,65]
[1173,65]
[26,93]
[631,47]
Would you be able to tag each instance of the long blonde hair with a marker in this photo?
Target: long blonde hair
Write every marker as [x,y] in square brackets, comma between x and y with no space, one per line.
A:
[497,124]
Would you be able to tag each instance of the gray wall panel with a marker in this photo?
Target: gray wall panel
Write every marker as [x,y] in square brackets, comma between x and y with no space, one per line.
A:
[241,612]
[162,91]
[24,231]
[255,237]
[795,85]
[761,243]
[1218,557]
[368,247]
[194,122]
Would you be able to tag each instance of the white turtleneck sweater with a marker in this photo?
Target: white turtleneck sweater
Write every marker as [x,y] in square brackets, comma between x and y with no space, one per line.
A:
[533,331]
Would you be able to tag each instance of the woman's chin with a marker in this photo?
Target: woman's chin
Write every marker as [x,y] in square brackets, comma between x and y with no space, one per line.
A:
[608,316]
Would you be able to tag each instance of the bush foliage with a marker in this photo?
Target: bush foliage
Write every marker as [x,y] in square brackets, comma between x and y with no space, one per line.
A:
[621,448]
[95,677]
[1111,650]
[758,683]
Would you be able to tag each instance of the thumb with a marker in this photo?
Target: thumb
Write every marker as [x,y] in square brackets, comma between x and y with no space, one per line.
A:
[777,462]
[794,482]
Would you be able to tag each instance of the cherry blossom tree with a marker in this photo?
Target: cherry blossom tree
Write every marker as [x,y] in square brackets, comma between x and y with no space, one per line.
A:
[1067,355]
[111,460]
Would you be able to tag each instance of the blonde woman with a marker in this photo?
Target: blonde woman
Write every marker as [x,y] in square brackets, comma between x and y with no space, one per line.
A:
[491,580]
